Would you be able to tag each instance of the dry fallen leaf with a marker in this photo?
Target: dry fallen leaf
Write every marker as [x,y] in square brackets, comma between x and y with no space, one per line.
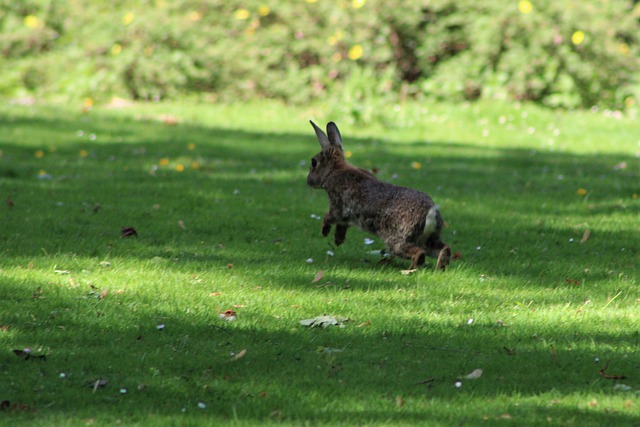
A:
[228,315]
[325,321]
[128,232]
[610,377]
[239,355]
[7,405]
[329,350]
[99,383]
[477,373]
[620,166]
[408,272]
[585,236]
[276,415]
[181,225]
[26,354]
[168,119]
[509,351]
[319,275]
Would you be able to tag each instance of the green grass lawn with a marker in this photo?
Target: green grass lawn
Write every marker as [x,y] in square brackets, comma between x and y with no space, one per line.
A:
[541,207]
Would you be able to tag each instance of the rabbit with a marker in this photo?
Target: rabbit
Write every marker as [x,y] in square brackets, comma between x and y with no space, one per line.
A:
[407,220]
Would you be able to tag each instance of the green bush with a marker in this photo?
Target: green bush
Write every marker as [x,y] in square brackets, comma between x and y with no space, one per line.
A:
[566,54]
[560,53]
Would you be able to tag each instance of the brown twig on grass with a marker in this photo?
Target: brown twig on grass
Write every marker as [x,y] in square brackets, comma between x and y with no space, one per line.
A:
[610,377]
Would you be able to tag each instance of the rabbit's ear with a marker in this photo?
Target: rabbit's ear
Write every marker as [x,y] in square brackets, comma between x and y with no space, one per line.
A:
[322,137]
[334,135]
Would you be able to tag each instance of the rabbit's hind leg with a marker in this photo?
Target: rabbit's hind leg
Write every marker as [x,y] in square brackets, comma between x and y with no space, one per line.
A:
[341,233]
[417,257]
[442,252]
[410,251]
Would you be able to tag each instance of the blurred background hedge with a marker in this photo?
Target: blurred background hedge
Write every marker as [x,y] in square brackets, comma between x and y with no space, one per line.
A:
[559,53]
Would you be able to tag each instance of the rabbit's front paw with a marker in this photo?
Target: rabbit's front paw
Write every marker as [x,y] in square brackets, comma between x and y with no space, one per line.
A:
[341,233]
[326,229]
[326,224]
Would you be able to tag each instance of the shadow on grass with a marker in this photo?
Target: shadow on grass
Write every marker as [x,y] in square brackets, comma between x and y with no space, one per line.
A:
[516,205]
[288,371]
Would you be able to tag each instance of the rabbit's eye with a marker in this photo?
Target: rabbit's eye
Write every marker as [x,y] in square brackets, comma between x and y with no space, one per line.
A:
[314,163]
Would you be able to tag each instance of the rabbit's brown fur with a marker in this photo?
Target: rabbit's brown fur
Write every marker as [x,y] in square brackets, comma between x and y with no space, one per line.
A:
[407,220]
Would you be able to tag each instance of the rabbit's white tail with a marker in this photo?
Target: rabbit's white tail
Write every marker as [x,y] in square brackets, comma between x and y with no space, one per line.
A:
[431,222]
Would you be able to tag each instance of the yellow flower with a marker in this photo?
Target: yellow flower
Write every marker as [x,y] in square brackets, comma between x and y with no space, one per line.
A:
[577,37]
[623,48]
[264,10]
[195,165]
[525,6]
[416,165]
[191,146]
[128,18]
[164,162]
[116,49]
[39,154]
[355,52]
[357,4]
[335,37]
[84,153]
[195,15]
[629,101]
[348,154]
[311,1]
[87,103]
[32,21]
[581,192]
[241,14]
[42,172]
[180,168]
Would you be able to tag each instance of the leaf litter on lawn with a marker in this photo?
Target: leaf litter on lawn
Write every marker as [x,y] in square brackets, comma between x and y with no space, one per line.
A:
[325,321]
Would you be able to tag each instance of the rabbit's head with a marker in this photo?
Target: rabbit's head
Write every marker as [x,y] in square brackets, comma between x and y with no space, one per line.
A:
[330,159]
